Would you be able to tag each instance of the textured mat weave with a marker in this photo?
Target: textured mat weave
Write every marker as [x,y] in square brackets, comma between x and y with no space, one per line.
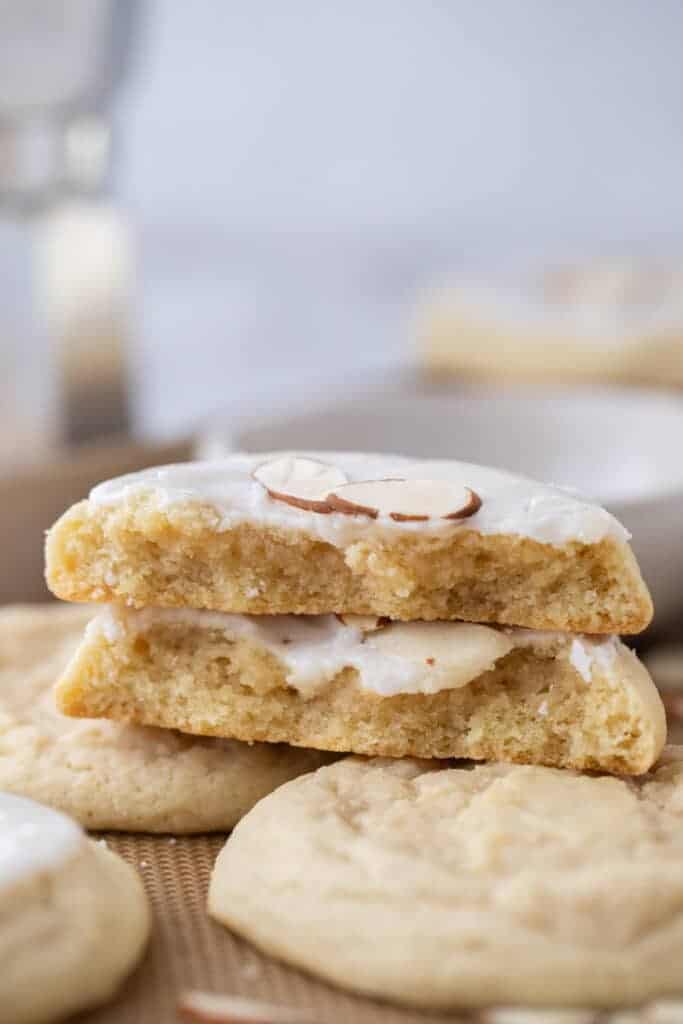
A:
[188,950]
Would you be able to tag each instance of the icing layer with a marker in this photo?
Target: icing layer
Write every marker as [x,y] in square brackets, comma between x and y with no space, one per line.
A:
[423,657]
[510,504]
[33,838]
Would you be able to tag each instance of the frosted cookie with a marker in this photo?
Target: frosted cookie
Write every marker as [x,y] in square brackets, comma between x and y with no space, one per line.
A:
[111,776]
[466,886]
[74,918]
[330,533]
[428,689]
[596,321]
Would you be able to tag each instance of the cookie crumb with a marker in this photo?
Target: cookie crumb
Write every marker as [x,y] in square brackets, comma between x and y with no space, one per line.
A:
[252,969]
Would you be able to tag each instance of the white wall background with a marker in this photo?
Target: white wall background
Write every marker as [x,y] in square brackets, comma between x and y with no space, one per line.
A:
[298,169]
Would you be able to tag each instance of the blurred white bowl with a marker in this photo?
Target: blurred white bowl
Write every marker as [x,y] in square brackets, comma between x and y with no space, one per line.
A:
[622,448]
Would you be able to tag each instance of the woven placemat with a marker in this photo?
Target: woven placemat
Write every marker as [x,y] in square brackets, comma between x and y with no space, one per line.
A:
[188,950]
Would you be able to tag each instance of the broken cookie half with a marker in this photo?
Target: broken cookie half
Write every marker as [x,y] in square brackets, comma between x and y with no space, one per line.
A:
[439,689]
[315,533]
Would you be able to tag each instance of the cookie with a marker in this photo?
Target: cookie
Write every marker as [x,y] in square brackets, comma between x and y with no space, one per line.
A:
[428,689]
[591,322]
[466,886]
[74,918]
[321,533]
[111,776]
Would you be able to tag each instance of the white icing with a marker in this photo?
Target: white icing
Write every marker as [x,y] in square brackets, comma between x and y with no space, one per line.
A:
[585,652]
[315,648]
[581,659]
[604,651]
[111,627]
[510,504]
[33,839]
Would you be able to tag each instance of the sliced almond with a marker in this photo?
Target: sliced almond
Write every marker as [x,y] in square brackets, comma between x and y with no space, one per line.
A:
[406,500]
[522,1015]
[663,1011]
[366,623]
[303,483]
[211,1008]
[447,655]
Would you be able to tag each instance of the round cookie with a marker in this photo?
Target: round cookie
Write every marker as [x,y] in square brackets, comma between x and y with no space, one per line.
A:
[74,918]
[278,533]
[466,886]
[112,776]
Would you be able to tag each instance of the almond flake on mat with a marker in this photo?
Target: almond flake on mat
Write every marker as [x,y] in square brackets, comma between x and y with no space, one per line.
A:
[303,483]
[406,500]
[213,1008]
[522,1015]
[663,1011]
[365,623]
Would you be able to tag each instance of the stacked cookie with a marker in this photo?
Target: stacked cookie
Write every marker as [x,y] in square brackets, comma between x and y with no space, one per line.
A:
[369,604]
[109,775]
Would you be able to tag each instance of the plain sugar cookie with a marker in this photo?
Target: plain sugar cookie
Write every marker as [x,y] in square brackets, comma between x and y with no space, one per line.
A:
[466,886]
[111,776]
[74,917]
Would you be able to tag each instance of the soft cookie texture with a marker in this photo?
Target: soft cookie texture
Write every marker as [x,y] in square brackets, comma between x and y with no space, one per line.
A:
[74,918]
[466,886]
[548,699]
[213,535]
[111,776]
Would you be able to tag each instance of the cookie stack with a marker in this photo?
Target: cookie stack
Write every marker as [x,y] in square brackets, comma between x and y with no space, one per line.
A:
[361,603]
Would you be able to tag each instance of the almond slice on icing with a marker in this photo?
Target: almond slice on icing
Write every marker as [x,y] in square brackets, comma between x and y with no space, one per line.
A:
[449,654]
[366,623]
[211,1008]
[303,483]
[406,500]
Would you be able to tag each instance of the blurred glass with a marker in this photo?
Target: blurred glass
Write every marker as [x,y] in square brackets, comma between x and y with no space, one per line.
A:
[60,64]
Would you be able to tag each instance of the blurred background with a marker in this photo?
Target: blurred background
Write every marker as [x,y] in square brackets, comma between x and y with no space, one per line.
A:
[445,228]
